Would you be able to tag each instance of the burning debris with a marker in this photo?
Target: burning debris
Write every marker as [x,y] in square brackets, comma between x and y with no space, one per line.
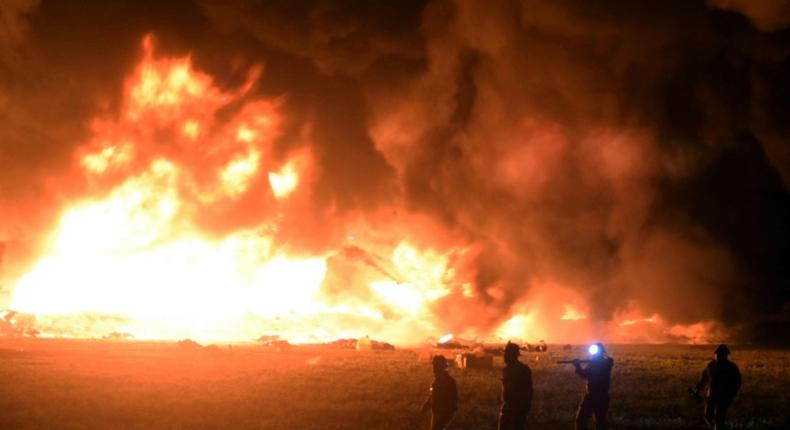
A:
[367,344]
[118,335]
[541,346]
[274,342]
[477,358]
[364,343]
[188,345]
[344,343]
[449,341]
[14,324]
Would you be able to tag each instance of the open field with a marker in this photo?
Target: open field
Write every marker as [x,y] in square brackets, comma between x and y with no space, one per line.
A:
[57,384]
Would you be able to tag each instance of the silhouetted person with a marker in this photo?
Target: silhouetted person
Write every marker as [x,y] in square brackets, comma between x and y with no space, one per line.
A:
[516,391]
[596,401]
[723,380]
[443,398]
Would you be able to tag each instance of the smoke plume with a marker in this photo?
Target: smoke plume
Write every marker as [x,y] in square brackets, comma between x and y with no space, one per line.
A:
[634,154]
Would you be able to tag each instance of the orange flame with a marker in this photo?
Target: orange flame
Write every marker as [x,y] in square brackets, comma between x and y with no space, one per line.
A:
[152,247]
[446,338]
[139,251]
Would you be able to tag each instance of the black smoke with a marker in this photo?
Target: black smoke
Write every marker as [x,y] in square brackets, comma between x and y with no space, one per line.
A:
[633,151]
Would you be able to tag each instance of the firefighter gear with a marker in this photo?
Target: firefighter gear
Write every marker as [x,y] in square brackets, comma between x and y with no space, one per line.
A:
[723,380]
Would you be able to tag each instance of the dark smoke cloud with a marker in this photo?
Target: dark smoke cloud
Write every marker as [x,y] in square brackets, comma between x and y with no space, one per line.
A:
[596,146]
[14,27]
[635,152]
[767,15]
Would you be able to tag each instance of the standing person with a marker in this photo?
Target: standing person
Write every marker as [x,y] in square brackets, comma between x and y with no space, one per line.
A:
[443,397]
[516,391]
[596,401]
[723,380]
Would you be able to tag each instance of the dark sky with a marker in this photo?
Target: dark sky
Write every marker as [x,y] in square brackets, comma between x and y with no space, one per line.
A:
[636,150]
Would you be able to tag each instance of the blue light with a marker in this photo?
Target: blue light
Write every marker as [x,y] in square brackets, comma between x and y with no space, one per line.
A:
[593,349]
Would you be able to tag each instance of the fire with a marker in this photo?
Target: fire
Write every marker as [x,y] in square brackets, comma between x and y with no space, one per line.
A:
[236,176]
[572,314]
[520,326]
[284,181]
[650,320]
[138,253]
[186,229]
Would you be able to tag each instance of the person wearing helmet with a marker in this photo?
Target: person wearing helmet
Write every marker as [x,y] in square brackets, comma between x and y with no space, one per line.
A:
[516,390]
[443,397]
[723,380]
[596,400]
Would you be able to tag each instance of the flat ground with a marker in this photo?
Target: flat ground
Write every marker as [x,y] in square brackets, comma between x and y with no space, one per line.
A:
[57,384]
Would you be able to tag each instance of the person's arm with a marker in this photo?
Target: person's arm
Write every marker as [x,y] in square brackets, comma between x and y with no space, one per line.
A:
[455,396]
[583,372]
[427,402]
[528,382]
[737,385]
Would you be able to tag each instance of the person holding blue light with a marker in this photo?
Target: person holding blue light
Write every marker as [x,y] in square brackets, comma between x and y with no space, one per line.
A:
[596,400]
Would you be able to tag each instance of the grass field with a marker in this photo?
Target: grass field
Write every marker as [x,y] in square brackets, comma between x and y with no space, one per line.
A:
[58,384]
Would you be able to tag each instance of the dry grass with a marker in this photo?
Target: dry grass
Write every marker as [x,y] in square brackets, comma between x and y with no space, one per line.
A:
[98,385]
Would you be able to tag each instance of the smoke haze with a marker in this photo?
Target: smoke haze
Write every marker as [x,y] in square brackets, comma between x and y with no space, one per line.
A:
[631,155]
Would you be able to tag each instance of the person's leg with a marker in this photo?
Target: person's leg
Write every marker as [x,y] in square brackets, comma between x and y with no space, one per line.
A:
[720,416]
[710,412]
[505,421]
[584,413]
[601,407]
[440,422]
[520,420]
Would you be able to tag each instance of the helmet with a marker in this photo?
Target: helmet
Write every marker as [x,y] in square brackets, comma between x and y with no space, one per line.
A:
[439,362]
[722,350]
[512,350]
